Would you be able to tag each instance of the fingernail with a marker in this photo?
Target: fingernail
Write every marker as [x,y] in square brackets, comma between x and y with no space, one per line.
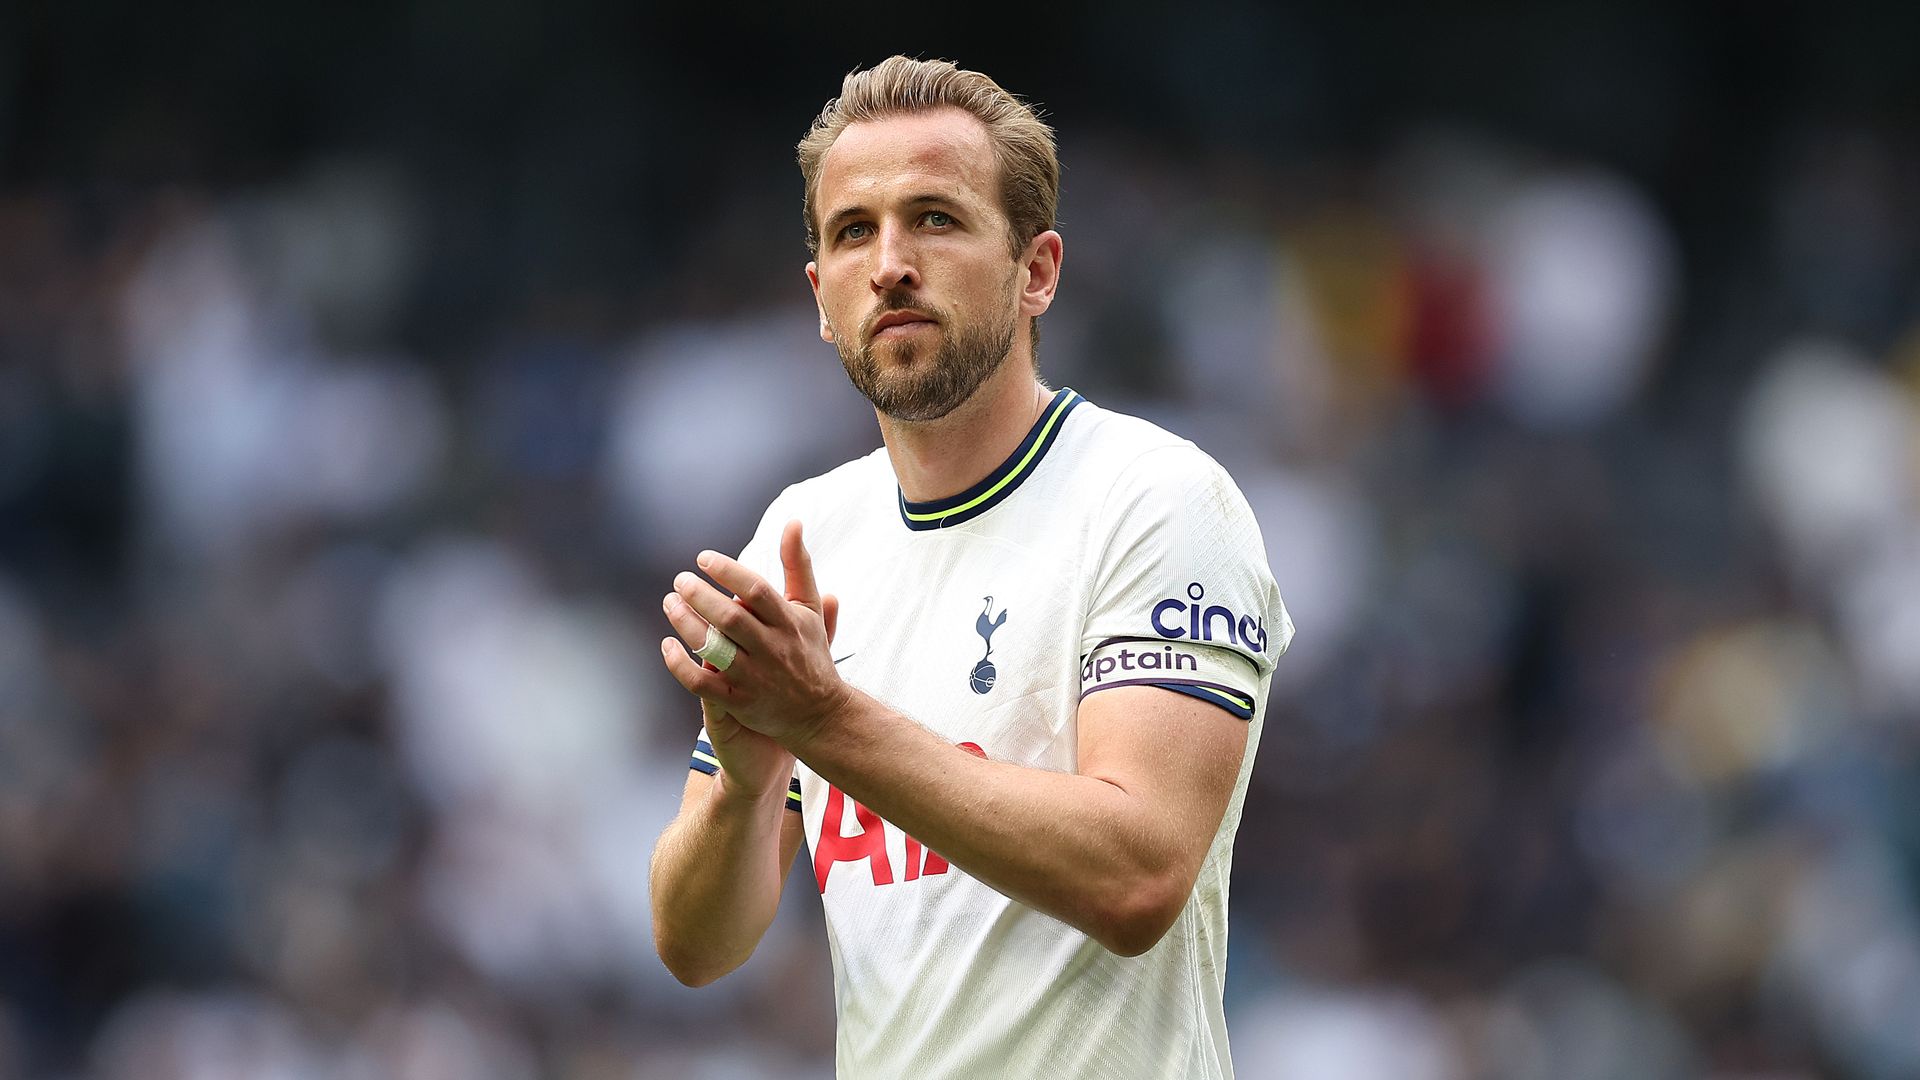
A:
[683,580]
[667,602]
[705,559]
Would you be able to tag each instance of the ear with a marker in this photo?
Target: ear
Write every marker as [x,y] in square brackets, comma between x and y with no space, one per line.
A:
[813,279]
[1040,273]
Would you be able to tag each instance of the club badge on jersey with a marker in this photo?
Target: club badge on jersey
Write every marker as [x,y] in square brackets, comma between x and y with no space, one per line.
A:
[984,673]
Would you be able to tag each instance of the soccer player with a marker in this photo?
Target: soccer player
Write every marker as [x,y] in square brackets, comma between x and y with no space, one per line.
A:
[1017,742]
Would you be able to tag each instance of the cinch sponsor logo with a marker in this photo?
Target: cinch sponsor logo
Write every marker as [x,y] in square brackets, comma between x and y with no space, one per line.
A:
[1168,659]
[1174,618]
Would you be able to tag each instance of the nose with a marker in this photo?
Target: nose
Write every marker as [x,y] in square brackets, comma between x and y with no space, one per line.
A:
[894,265]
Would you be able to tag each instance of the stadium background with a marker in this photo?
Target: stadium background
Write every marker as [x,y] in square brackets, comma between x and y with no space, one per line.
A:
[366,369]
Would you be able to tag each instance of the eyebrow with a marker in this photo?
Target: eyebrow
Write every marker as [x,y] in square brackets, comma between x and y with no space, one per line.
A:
[841,216]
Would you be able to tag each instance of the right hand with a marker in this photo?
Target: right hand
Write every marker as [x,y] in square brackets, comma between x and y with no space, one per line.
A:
[751,764]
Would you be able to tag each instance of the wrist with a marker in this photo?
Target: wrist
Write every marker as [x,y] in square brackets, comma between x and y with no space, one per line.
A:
[730,795]
[808,733]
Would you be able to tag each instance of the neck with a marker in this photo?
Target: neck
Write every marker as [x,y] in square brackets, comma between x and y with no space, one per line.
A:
[934,459]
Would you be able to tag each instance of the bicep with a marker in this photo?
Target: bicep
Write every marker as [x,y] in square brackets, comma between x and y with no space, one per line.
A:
[1179,755]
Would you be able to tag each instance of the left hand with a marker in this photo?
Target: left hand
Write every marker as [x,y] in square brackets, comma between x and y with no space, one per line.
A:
[782,683]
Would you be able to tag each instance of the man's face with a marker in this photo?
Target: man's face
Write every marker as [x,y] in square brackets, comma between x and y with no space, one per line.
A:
[914,280]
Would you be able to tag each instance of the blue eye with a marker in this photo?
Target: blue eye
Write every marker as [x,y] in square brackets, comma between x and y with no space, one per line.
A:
[855,231]
[937,219]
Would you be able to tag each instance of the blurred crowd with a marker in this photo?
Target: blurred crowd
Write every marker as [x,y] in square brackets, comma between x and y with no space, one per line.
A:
[333,739]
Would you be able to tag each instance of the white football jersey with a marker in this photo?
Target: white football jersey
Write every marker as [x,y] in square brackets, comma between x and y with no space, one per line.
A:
[1104,552]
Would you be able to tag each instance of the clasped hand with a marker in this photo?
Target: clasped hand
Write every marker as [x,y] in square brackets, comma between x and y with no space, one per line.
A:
[783,683]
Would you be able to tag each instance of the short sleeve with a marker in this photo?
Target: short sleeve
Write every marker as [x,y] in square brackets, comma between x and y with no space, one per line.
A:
[1182,597]
[762,556]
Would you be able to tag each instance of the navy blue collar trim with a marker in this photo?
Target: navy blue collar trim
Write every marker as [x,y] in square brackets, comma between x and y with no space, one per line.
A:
[1001,482]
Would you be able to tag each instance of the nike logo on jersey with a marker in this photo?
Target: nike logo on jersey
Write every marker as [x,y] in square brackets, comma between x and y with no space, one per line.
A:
[849,656]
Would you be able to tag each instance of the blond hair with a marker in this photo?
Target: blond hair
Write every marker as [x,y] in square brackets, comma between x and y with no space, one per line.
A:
[898,85]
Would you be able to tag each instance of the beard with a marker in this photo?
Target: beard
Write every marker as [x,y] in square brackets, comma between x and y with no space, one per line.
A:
[911,390]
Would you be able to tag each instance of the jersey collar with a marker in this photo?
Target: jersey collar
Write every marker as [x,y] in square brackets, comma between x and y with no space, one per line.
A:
[1000,483]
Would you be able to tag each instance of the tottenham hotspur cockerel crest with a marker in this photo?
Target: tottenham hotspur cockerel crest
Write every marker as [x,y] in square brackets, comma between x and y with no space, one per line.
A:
[985,625]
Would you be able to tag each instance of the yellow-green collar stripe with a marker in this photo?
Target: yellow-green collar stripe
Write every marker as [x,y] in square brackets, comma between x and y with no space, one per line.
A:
[1001,483]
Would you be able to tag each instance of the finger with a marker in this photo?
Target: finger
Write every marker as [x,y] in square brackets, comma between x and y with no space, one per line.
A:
[799,566]
[752,589]
[830,610]
[685,621]
[730,613]
[691,627]
[724,612]
[697,678]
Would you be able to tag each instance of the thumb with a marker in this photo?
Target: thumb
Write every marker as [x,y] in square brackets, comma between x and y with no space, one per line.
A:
[799,567]
[830,609]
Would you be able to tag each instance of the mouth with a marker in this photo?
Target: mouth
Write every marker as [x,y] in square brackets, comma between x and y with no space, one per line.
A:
[899,323]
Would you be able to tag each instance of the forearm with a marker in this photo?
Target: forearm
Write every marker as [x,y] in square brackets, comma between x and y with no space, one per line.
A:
[1080,848]
[715,882]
